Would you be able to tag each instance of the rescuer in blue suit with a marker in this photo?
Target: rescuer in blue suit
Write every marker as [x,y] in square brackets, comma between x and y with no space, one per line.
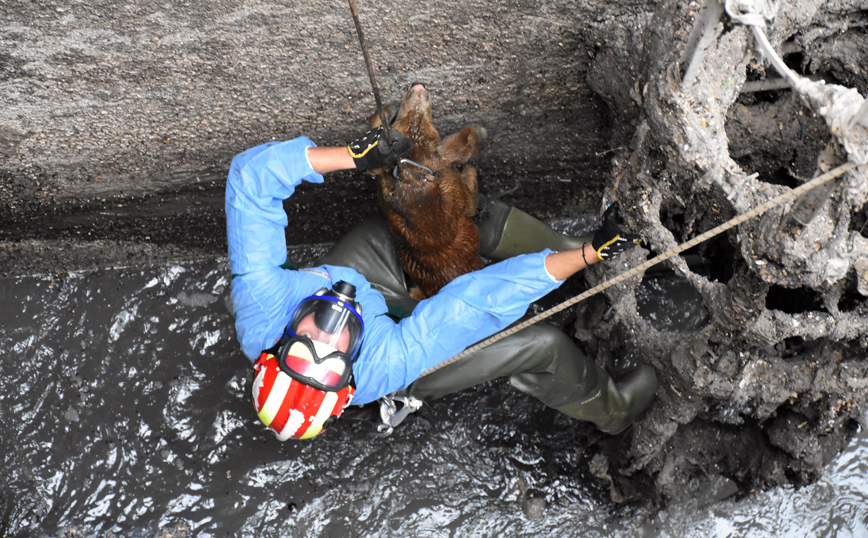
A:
[322,338]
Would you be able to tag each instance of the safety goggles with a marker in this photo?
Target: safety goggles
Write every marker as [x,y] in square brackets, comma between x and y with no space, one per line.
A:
[315,363]
[335,321]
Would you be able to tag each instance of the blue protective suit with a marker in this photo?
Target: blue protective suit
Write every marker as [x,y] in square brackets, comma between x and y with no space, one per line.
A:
[264,295]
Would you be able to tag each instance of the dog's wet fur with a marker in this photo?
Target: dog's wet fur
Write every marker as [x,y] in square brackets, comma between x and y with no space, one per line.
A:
[430,215]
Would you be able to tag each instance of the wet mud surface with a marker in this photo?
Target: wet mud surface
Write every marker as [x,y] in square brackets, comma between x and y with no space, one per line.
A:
[130,409]
[127,413]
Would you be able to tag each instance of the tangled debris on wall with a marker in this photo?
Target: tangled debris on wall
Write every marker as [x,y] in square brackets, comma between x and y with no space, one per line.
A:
[773,383]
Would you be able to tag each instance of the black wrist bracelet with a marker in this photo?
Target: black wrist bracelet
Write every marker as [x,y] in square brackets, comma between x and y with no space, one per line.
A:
[583,254]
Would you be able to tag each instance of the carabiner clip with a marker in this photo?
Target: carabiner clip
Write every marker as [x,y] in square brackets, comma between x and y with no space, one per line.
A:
[392,416]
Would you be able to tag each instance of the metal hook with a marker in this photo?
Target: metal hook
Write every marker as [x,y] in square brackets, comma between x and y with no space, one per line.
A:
[392,416]
[430,173]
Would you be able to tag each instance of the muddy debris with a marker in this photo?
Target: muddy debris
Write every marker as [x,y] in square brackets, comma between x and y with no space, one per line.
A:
[769,386]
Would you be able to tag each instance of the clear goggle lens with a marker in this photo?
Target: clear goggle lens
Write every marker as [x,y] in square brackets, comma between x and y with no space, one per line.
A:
[327,320]
[315,363]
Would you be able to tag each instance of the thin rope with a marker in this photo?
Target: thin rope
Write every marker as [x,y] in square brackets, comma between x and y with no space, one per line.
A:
[759,210]
[383,119]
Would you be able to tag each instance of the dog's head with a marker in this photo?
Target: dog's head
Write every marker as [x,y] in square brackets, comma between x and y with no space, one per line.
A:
[430,156]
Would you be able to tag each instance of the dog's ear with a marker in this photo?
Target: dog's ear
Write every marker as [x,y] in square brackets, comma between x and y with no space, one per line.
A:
[461,146]
[390,109]
[374,120]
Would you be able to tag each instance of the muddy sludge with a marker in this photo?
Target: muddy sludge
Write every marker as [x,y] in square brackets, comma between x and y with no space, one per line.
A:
[126,410]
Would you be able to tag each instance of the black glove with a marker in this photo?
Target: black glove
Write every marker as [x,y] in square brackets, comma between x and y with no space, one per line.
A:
[609,240]
[373,151]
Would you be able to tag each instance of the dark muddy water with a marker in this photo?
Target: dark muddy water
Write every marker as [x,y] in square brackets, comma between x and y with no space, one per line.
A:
[124,410]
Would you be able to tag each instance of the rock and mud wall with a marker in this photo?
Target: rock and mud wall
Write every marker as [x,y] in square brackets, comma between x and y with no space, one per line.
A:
[772,383]
[120,120]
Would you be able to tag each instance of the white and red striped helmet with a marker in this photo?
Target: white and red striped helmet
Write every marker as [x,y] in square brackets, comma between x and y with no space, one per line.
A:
[291,408]
[304,383]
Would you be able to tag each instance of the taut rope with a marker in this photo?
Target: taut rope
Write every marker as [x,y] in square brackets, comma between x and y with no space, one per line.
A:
[759,210]
[380,111]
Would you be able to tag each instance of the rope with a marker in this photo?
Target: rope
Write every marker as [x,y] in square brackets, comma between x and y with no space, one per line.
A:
[759,210]
[754,15]
[845,111]
[364,46]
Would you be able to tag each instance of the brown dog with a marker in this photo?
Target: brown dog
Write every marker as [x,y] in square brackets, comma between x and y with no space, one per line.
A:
[427,202]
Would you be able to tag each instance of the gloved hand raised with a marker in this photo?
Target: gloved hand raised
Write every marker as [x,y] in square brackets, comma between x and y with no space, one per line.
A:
[373,151]
[609,240]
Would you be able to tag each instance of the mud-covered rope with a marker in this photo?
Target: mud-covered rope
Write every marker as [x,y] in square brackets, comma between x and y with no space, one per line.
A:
[759,210]
[754,15]
[364,46]
[844,110]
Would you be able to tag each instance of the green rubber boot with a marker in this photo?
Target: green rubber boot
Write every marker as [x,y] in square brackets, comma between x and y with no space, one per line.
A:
[507,232]
[615,406]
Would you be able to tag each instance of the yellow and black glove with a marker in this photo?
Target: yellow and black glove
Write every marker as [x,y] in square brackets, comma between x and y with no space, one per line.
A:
[373,151]
[609,240]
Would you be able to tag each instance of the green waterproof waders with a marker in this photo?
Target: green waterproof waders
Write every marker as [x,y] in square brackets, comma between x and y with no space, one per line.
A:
[539,360]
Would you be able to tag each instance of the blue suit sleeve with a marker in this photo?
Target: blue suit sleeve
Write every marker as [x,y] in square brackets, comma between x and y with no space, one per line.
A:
[259,180]
[263,293]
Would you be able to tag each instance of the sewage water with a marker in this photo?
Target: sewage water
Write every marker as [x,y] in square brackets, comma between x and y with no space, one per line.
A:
[125,411]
